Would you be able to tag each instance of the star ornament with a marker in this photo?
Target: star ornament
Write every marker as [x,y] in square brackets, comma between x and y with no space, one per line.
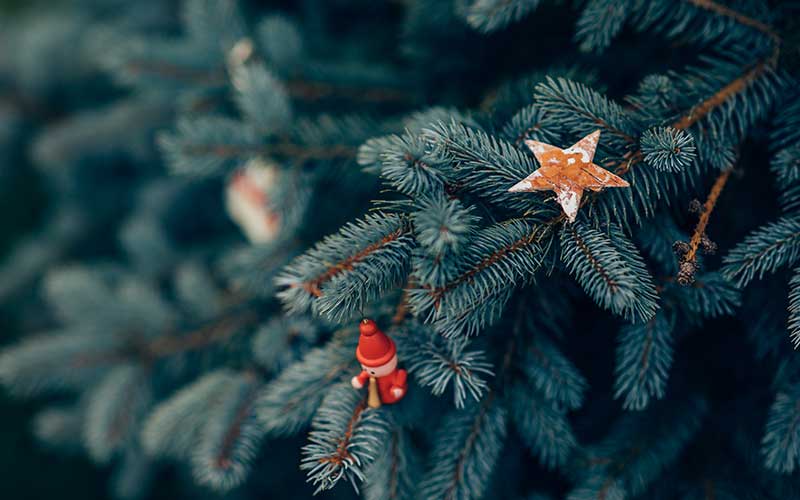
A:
[568,172]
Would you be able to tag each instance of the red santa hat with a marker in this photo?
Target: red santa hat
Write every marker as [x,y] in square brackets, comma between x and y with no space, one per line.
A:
[374,347]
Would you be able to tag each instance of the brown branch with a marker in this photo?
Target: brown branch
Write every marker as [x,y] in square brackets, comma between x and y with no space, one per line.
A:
[96,359]
[297,88]
[222,460]
[708,207]
[401,312]
[178,72]
[618,466]
[216,330]
[698,112]
[545,361]
[725,93]
[313,286]
[341,450]
[604,124]
[300,396]
[688,264]
[122,419]
[526,133]
[645,360]
[287,149]
[630,159]
[733,88]
[490,260]
[508,358]
[220,329]
[475,431]
[595,263]
[310,91]
[740,18]
[402,309]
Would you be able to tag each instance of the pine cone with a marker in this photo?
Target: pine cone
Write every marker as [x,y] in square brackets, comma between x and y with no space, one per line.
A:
[687,272]
[680,248]
[709,247]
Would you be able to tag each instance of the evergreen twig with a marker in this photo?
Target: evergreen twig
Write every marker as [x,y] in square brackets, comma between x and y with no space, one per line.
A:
[688,266]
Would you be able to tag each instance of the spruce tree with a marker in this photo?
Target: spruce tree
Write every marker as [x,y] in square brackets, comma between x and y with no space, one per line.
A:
[561,340]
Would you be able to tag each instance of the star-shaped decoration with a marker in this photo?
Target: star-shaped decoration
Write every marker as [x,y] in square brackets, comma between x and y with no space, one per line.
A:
[568,172]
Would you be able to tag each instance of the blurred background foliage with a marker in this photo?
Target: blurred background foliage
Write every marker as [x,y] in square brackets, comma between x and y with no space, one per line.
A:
[38,473]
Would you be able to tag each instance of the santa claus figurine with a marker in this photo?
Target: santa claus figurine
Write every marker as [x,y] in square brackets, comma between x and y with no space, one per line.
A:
[378,357]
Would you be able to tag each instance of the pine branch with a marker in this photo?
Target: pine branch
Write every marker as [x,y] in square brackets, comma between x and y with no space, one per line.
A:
[290,400]
[231,436]
[794,308]
[488,261]
[520,133]
[302,89]
[582,110]
[740,18]
[610,270]
[341,454]
[345,438]
[181,73]
[469,443]
[688,264]
[764,251]
[600,21]
[490,15]
[498,258]
[311,91]
[223,459]
[299,152]
[443,226]
[479,163]
[667,149]
[114,408]
[216,330]
[172,428]
[346,270]
[466,452]
[59,360]
[637,450]
[644,357]
[700,111]
[394,474]
[542,424]
[781,443]
[539,413]
[710,296]
[283,340]
[727,92]
[313,286]
[405,162]
[438,362]
[552,373]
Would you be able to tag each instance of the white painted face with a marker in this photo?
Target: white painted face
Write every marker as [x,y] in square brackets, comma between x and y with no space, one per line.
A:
[381,371]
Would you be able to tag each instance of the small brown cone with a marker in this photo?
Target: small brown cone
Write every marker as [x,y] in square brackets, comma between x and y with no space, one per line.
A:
[373,399]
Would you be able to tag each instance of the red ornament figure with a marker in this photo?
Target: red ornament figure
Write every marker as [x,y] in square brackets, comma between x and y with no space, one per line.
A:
[378,357]
[247,199]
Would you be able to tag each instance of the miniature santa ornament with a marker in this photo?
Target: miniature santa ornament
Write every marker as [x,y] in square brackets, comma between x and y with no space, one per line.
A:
[247,199]
[378,357]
